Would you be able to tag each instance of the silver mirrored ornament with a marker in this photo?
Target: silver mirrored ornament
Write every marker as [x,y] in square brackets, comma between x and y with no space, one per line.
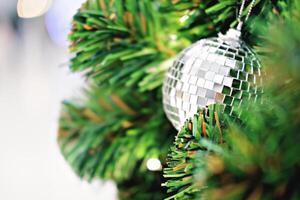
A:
[220,70]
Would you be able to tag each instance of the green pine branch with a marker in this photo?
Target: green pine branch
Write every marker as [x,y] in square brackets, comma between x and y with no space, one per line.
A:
[199,135]
[207,18]
[110,136]
[121,43]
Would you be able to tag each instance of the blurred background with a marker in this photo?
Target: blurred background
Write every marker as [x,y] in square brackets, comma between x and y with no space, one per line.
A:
[34,79]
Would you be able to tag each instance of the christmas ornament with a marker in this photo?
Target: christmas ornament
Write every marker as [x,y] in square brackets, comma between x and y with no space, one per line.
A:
[221,69]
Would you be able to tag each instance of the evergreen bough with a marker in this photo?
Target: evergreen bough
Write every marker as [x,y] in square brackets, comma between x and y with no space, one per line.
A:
[199,135]
[106,138]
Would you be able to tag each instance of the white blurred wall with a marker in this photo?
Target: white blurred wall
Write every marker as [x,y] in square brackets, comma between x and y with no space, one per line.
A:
[33,82]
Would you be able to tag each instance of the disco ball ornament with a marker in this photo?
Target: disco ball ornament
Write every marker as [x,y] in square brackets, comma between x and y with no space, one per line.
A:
[221,70]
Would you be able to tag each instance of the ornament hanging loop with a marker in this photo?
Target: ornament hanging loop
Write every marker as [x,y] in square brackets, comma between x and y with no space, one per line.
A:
[233,35]
[239,18]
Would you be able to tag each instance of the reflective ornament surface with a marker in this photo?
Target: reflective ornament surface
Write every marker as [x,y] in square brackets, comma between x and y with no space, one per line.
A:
[215,70]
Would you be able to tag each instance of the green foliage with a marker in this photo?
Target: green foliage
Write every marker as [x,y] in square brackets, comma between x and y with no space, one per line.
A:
[111,136]
[120,43]
[126,43]
[198,136]
[205,18]
[124,48]
[144,186]
[121,48]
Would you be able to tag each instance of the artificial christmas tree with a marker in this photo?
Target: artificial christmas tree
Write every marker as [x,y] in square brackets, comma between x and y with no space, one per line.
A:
[125,47]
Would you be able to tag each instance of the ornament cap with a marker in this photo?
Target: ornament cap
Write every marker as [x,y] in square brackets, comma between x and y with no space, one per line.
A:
[239,26]
[232,37]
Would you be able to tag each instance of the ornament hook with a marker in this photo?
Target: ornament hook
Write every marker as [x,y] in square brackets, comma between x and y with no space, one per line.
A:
[233,35]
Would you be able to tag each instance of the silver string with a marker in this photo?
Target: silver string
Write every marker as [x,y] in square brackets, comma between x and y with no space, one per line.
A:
[241,11]
[239,19]
[250,10]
